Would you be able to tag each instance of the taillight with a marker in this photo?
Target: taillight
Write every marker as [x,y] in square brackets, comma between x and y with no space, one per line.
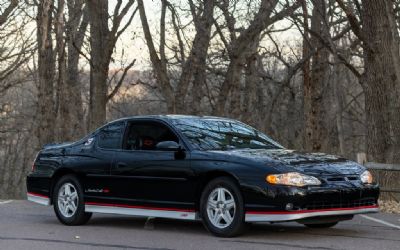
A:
[34,161]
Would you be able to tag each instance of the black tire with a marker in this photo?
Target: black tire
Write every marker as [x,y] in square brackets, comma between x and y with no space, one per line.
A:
[79,217]
[322,225]
[237,225]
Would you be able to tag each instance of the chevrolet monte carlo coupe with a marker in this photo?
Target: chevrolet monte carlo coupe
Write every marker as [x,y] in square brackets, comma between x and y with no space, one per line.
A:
[216,170]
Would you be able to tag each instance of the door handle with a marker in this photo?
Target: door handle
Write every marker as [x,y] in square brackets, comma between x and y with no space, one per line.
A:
[122,165]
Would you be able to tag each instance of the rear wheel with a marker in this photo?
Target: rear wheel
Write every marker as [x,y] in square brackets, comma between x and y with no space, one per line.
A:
[68,202]
[322,225]
[222,208]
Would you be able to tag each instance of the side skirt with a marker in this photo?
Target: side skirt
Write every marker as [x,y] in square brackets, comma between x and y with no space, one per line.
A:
[173,213]
[38,198]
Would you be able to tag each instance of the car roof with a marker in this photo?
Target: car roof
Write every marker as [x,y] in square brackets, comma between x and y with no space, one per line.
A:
[170,117]
[166,118]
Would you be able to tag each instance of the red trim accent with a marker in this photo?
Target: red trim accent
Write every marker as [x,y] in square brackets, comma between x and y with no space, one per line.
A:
[139,207]
[38,195]
[311,211]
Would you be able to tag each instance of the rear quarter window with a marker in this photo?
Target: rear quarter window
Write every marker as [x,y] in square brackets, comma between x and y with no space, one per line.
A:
[110,137]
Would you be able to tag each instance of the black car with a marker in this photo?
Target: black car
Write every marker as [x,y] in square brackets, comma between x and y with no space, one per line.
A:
[213,169]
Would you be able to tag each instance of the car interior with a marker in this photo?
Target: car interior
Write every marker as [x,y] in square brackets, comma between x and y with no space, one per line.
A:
[146,135]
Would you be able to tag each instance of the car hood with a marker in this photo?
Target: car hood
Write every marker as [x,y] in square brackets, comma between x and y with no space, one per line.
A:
[290,160]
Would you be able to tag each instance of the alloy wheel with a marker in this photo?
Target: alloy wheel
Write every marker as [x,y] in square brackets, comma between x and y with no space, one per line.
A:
[221,207]
[68,200]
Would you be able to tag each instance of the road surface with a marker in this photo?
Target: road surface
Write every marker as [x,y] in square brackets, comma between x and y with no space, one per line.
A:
[24,225]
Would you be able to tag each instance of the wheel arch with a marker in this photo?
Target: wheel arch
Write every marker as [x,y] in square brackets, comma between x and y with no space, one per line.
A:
[59,173]
[209,176]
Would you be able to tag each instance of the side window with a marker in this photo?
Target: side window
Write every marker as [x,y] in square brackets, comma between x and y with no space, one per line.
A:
[110,137]
[146,135]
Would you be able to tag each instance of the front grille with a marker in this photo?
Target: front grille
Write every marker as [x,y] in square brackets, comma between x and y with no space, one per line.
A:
[345,204]
[341,178]
[333,179]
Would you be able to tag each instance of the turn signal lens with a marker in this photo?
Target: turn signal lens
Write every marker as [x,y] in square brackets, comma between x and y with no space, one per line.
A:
[366,177]
[272,179]
[293,179]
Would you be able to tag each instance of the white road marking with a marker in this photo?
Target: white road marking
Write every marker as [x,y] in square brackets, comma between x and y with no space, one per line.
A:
[380,221]
[5,202]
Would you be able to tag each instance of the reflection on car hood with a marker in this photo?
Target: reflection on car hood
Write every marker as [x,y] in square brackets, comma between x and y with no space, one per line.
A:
[308,163]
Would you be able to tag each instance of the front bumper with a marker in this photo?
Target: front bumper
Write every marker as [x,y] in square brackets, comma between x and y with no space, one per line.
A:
[280,216]
[274,203]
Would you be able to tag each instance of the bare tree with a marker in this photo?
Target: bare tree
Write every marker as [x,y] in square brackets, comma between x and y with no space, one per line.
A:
[160,67]
[70,35]
[46,68]
[314,84]
[239,50]
[377,30]
[193,67]
[102,43]
[16,47]
[195,64]
[7,11]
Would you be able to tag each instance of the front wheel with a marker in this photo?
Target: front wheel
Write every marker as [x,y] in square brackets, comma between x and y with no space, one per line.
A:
[68,202]
[222,208]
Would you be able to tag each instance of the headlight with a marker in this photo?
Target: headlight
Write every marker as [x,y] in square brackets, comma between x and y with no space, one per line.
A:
[366,177]
[292,179]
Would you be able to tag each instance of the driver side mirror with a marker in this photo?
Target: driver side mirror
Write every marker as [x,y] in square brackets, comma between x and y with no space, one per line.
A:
[168,146]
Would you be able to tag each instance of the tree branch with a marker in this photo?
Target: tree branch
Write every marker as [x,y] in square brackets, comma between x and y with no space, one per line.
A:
[3,17]
[121,80]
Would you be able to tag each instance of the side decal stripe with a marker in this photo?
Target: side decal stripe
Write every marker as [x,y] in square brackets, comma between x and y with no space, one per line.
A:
[140,207]
[141,212]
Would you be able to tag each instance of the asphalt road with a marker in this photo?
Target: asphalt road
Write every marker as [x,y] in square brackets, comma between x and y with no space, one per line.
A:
[24,225]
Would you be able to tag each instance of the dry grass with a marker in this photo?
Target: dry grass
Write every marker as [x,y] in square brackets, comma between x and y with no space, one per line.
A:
[392,207]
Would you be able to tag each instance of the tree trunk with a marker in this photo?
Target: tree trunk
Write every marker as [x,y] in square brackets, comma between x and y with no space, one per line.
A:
[339,98]
[251,80]
[394,154]
[380,80]
[230,82]
[46,111]
[7,11]
[159,66]
[239,49]
[316,133]
[195,65]
[76,27]
[100,57]
[62,100]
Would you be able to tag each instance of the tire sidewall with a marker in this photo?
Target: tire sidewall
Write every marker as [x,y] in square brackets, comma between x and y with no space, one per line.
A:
[237,225]
[81,205]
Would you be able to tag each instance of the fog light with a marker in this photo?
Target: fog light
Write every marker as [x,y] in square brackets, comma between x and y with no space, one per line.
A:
[289,206]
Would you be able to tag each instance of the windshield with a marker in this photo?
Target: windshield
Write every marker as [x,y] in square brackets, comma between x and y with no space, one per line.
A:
[215,134]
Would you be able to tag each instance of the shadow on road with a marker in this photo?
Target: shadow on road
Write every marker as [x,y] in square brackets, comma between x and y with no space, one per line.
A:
[196,227]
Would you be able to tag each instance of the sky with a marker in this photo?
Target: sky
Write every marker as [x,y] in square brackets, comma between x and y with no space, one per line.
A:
[132,44]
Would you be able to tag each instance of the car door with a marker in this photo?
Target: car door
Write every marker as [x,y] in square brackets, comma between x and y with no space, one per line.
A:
[145,175]
[101,149]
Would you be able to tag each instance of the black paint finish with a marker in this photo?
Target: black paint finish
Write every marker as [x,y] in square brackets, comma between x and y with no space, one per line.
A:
[175,179]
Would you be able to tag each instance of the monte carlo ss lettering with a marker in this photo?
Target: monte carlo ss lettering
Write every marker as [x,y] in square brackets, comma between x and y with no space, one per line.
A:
[216,170]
